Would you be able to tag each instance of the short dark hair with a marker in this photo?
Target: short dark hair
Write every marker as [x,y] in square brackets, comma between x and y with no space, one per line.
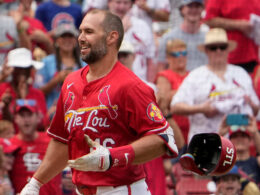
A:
[111,23]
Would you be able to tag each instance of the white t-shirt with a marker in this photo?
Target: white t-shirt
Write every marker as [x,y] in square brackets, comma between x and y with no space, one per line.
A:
[227,96]
[153,4]
[140,35]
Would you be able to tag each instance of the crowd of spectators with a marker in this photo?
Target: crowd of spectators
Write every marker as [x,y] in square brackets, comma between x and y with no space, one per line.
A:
[197,55]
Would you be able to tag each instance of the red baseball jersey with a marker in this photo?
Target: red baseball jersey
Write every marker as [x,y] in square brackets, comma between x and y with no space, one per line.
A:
[27,160]
[114,110]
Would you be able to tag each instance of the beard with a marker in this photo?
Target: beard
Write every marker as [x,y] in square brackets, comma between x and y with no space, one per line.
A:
[98,51]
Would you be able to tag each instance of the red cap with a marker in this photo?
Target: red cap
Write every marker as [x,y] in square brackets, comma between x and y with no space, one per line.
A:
[8,147]
[236,128]
[27,104]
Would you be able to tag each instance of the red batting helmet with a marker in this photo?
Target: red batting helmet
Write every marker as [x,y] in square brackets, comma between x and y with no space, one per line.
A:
[209,154]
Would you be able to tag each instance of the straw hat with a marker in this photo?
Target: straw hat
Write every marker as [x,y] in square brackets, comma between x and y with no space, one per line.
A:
[127,47]
[216,36]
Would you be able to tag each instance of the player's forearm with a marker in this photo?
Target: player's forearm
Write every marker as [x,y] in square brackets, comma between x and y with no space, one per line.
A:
[225,23]
[54,162]
[159,15]
[185,109]
[148,148]
[46,89]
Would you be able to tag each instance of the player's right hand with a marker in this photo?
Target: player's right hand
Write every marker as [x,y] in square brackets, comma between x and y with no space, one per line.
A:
[97,160]
[31,188]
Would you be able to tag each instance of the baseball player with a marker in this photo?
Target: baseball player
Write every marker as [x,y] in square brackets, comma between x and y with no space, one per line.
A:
[107,122]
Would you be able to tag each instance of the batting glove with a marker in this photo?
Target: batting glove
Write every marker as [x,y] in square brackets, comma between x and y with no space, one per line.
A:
[97,160]
[32,188]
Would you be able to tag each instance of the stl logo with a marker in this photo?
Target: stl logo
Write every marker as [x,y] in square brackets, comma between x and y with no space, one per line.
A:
[154,113]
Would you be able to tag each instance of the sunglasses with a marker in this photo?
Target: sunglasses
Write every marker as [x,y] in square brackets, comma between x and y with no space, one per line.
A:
[215,47]
[23,102]
[178,54]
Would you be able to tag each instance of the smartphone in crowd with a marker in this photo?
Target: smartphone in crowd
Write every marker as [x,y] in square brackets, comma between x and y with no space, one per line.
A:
[237,119]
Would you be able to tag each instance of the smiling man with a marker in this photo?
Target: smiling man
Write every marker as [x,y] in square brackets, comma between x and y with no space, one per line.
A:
[101,129]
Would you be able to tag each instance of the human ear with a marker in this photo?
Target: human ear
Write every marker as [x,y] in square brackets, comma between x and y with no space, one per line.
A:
[112,38]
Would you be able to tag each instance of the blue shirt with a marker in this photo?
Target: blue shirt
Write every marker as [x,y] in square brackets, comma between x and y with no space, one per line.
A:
[52,15]
[46,73]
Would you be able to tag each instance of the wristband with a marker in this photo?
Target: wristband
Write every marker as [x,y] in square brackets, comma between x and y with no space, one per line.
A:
[168,116]
[35,182]
[122,156]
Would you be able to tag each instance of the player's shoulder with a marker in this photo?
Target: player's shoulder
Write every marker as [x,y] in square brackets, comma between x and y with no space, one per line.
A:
[128,78]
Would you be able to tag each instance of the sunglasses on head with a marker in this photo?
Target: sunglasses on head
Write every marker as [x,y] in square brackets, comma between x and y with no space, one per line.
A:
[215,47]
[178,53]
[23,102]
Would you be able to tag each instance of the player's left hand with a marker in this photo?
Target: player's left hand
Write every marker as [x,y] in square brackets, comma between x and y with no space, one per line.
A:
[97,160]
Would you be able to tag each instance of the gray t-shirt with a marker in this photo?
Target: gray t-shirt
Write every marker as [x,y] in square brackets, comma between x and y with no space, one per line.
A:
[195,57]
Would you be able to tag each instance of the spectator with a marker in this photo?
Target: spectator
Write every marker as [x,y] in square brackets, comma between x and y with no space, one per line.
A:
[168,81]
[58,65]
[20,85]
[11,35]
[55,12]
[242,137]
[7,152]
[33,28]
[234,16]
[140,35]
[33,145]
[191,31]
[233,183]
[209,92]
[6,129]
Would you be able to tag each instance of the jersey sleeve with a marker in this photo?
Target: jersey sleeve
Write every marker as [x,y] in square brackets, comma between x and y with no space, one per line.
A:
[142,111]
[56,129]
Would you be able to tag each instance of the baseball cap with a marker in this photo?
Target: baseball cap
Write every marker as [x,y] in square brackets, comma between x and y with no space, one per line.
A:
[28,104]
[234,171]
[22,58]
[126,47]
[186,2]
[233,129]
[8,147]
[65,28]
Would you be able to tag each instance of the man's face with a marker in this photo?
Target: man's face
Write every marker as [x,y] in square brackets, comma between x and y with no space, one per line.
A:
[27,121]
[229,185]
[92,38]
[217,53]
[192,12]
[241,141]
[177,59]
[119,7]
